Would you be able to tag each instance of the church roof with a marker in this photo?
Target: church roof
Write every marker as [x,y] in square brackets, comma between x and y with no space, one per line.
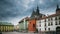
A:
[36,14]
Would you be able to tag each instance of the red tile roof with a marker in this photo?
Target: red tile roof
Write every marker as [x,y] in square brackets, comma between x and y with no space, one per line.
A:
[53,15]
[27,18]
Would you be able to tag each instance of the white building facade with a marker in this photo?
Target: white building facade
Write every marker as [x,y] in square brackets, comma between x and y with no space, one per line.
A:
[49,23]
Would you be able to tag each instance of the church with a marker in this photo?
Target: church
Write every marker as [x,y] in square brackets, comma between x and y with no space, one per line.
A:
[32,21]
[36,14]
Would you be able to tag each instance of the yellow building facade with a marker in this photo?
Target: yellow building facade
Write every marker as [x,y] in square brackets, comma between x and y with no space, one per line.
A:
[6,27]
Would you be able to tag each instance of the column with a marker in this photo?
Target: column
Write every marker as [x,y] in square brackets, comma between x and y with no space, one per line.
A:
[24,24]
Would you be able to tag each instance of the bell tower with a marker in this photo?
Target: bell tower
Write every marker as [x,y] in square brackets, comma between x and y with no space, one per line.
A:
[57,9]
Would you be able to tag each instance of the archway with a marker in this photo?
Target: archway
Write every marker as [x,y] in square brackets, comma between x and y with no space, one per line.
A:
[57,30]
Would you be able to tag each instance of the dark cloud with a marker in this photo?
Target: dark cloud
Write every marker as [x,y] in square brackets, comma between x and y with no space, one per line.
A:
[10,9]
[49,4]
[7,9]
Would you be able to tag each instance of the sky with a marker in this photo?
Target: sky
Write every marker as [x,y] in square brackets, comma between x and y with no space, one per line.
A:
[13,11]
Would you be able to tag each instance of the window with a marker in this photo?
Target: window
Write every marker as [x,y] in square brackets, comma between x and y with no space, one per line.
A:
[51,23]
[59,22]
[45,20]
[33,25]
[59,17]
[45,24]
[48,19]
[51,19]
[45,29]
[49,29]
[56,23]
[40,29]
[30,22]
[55,18]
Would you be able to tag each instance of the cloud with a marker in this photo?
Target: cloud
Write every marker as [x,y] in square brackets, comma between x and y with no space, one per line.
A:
[41,1]
[9,9]
[26,3]
[33,0]
[48,11]
[14,10]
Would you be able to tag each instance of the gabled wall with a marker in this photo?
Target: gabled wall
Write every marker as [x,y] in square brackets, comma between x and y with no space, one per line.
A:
[32,25]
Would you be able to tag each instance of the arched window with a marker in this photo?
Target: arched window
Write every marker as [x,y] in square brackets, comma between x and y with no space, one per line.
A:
[33,25]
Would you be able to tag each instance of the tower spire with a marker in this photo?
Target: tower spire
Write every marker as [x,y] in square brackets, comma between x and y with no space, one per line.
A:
[57,6]
[37,10]
[57,9]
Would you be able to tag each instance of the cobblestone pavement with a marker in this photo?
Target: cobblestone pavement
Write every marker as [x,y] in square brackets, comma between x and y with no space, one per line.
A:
[17,33]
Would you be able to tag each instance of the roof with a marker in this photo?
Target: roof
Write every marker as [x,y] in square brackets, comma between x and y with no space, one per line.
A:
[5,23]
[53,15]
[26,18]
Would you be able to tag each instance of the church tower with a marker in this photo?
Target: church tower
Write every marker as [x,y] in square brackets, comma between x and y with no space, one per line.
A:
[37,10]
[36,14]
[57,9]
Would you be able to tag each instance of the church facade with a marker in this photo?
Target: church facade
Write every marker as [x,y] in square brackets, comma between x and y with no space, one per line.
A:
[32,21]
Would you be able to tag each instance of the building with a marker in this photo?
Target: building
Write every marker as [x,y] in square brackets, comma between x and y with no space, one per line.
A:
[32,21]
[49,23]
[6,27]
[32,25]
[16,27]
[36,14]
[23,24]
